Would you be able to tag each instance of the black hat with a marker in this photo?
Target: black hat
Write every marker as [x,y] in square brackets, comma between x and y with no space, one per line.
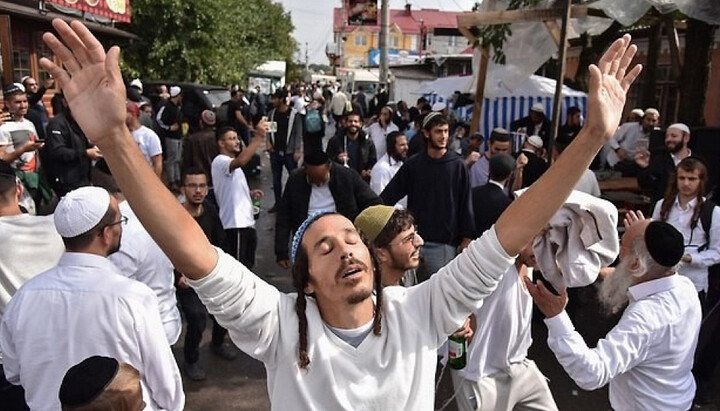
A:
[664,243]
[83,382]
[501,165]
[316,158]
[280,93]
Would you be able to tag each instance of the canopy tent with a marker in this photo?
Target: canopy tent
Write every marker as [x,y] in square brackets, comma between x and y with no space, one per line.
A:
[502,104]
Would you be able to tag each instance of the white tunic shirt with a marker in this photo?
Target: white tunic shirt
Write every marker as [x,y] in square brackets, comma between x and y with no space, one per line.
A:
[647,357]
[391,371]
[141,259]
[378,134]
[694,239]
[232,193]
[84,307]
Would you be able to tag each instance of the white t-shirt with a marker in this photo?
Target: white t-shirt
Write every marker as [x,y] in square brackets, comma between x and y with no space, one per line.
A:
[391,371]
[148,141]
[24,130]
[321,199]
[232,193]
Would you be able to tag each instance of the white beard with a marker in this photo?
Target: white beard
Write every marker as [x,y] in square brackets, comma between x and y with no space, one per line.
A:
[613,290]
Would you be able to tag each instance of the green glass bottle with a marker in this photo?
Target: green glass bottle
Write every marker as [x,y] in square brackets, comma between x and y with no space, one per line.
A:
[457,352]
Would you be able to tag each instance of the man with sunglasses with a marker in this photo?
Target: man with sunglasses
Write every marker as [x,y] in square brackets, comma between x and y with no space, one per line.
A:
[84,307]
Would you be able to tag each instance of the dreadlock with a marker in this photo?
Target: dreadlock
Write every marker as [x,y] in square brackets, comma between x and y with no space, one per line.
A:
[688,164]
[301,277]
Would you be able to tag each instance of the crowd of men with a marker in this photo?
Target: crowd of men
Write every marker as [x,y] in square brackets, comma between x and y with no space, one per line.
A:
[399,231]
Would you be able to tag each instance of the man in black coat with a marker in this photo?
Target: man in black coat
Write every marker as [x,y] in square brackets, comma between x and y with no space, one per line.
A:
[490,200]
[535,123]
[352,147]
[656,167]
[319,185]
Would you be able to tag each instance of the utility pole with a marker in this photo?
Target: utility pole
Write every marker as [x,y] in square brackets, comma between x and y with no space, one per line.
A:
[307,59]
[383,42]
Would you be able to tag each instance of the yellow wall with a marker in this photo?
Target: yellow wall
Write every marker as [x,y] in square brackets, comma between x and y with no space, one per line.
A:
[353,52]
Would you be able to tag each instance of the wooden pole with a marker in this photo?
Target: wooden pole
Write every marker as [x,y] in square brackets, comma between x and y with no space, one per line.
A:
[480,88]
[559,83]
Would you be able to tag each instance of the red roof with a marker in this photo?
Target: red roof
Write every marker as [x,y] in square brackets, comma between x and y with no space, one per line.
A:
[409,23]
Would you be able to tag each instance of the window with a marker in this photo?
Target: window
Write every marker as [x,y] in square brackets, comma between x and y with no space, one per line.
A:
[41,50]
[21,64]
[394,42]
[361,40]
[414,42]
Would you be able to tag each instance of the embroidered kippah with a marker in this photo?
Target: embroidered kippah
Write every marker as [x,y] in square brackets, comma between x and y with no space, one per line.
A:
[297,239]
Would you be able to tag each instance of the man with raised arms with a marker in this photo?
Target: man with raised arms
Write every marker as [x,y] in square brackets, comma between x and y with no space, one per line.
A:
[334,345]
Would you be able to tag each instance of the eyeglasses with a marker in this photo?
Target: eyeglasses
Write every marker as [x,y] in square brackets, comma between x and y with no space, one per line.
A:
[193,186]
[123,220]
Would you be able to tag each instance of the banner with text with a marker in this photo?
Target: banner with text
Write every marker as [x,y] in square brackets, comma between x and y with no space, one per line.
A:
[362,12]
[118,10]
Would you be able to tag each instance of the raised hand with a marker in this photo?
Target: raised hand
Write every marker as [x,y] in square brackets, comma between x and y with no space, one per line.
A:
[609,83]
[91,80]
[632,217]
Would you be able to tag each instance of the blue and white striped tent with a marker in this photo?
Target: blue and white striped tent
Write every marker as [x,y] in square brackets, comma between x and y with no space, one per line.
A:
[503,106]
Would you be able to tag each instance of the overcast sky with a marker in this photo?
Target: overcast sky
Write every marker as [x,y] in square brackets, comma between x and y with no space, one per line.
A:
[313,20]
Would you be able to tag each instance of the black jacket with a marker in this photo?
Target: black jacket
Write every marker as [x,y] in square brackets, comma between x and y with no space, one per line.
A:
[534,168]
[489,201]
[66,164]
[654,178]
[350,192]
[368,155]
[530,126]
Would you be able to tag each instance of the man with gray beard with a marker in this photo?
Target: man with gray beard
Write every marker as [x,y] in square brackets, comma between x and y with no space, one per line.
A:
[648,356]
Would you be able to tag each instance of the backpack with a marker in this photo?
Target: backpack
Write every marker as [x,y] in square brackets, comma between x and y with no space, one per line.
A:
[313,121]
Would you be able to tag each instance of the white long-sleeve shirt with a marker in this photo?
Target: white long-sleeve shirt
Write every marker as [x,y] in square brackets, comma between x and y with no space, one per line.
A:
[141,259]
[503,334]
[382,172]
[647,357]
[378,134]
[84,307]
[392,371]
[694,239]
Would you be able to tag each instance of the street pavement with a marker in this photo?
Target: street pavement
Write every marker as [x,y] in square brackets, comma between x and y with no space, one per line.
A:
[241,384]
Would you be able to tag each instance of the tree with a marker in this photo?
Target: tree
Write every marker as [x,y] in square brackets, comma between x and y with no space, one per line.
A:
[213,41]
[694,77]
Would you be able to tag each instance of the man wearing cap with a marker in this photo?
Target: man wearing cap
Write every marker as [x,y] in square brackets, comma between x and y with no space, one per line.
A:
[320,185]
[648,356]
[285,144]
[68,152]
[499,143]
[636,115]
[169,119]
[100,382]
[19,146]
[200,147]
[437,187]
[621,153]
[380,128]
[392,235]
[85,307]
[385,169]
[490,200]
[529,171]
[534,124]
[655,167]
[341,341]
[29,245]
[146,139]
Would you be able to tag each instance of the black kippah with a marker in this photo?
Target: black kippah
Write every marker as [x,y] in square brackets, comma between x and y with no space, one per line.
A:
[316,158]
[83,382]
[664,242]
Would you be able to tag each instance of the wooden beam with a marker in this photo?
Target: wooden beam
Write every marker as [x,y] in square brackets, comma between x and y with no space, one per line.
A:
[6,50]
[480,89]
[468,35]
[560,78]
[554,30]
[517,16]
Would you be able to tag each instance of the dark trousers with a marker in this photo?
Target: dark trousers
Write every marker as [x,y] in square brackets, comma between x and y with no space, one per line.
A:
[196,317]
[12,397]
[241,244]
[277,162]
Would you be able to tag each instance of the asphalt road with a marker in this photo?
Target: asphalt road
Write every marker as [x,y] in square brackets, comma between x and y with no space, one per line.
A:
[241,384]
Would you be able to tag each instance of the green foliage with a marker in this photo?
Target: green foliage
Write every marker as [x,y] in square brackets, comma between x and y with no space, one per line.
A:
[209,41]
[495,35]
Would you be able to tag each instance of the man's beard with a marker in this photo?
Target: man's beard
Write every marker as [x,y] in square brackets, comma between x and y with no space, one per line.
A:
[678,147]
[613,290]
[398,156]
[434,145]
[116,248]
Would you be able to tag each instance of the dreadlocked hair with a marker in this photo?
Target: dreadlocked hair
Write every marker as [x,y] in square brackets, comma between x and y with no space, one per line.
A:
[688,164]
[301,277]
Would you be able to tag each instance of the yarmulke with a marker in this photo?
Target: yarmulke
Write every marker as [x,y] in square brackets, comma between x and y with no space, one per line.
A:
[174,91]
[136,83]
[13,89]
[208,117]
[373,219]
[80,210]
[680,126]
[316,158]
[297,239]
[651,111]
[477,135]
[538,108]
[429,117]
[439,106]
[638,112]
[535,141]
[501,164]
[664,243]
[83,382]
[499,134]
